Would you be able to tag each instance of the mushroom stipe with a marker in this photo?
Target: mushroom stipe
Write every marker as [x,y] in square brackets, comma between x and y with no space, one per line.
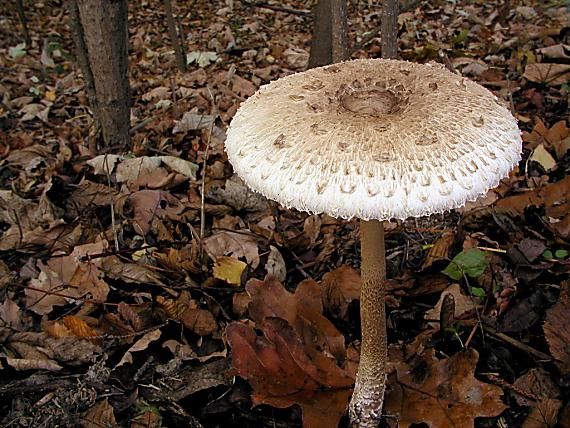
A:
[374,139]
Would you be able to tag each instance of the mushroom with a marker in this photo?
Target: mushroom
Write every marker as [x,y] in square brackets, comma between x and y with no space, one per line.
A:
[374,139]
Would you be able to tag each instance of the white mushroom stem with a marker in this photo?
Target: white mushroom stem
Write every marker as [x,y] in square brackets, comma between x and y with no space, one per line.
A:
[368,397]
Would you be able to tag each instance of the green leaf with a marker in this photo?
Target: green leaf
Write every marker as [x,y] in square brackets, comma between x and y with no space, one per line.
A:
[548,255]
[477,292]
[561,254]
[17,51]
[470,262]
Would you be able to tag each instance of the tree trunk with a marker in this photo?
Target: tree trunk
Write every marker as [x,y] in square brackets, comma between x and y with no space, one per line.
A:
[329,42]
[389,29]
[175,37]
[24,22]
[101,38]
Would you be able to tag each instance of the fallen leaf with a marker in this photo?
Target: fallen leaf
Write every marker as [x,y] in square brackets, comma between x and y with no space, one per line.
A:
[229,269]
[68,278]
[340,287]
[557,329]
[78,327]
[303,311]
[239,196]
[275,265]
[439,250]
[22,364]
[548,73]
[235,244]
[150,206]
[472,263]
[535,383]
[554,196]
[541,155]
[100,415]
[544,414]
[441,392]
[200,321]
[130,272]
[104,164]
[463,305]
[282,374]
[140,345]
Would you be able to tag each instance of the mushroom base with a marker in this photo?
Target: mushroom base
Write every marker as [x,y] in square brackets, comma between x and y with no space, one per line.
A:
[368,397]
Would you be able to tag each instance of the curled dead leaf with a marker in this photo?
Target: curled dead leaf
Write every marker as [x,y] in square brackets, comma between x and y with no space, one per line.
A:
[339,287]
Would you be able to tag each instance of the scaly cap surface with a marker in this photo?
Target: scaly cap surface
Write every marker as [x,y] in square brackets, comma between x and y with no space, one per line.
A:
[373,139]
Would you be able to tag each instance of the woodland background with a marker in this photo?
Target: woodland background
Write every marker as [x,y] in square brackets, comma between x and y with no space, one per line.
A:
[145,285]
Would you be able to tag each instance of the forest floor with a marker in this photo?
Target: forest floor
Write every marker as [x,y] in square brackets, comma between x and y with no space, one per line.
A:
[135,284]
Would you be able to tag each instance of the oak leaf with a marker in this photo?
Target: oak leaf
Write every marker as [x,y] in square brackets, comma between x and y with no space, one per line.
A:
[441,393]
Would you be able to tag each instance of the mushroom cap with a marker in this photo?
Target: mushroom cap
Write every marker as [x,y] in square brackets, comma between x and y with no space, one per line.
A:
[373,139]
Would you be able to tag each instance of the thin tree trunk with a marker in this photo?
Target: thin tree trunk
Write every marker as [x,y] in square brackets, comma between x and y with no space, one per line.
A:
[329,43]
[24,22]
[389,29]
[103,36]
[175,37]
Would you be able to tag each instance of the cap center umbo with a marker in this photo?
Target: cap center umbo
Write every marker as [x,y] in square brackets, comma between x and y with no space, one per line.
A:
[370,102]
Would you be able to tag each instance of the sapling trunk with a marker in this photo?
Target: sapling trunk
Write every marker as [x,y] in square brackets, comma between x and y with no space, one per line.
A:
[368,397]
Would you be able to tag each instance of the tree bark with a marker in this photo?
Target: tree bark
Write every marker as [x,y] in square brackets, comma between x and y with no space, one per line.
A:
[329,43]
[24,22]
[389,29]
[101,37]
[175,37]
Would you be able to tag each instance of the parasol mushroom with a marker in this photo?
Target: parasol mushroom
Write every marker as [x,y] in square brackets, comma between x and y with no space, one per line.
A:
[377,140]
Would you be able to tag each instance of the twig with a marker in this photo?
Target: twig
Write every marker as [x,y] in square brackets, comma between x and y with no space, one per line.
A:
[265,5]
[516,343]
[112,204]
[203,185]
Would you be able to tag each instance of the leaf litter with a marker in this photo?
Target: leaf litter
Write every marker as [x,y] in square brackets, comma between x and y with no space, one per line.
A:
[195,279]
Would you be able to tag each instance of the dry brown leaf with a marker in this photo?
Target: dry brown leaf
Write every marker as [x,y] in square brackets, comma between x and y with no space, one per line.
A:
[69,277]
[22,364]
[56,329]
[282,374]
[140,345]
[235,244]
[555,197]
[131,316]
[548,73]
[78,327]
[543,414]
[463,304]
[439,250]
[340,287]
[557,329]
[148,419]
[100,415]
[239,196]
[240,302]
[130,272]
[441,392]
[200,321]
[275,265]
[308,238]
[185,258]
[242,86]
[151,205]
[12,316]
[297,359]
[303,311]
[536,382]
